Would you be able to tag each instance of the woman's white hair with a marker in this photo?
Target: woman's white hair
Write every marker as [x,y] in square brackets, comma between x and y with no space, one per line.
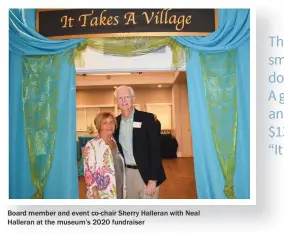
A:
[124,86]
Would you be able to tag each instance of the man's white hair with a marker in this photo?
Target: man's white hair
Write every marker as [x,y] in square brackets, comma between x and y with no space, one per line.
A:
[124,86]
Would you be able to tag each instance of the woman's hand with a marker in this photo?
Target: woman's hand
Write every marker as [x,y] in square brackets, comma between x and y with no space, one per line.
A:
[95,193]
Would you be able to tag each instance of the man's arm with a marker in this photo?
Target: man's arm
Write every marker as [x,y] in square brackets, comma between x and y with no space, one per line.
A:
[155,147]
[159,126]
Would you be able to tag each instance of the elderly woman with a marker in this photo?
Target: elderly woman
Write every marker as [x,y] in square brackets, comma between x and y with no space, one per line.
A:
[104,169]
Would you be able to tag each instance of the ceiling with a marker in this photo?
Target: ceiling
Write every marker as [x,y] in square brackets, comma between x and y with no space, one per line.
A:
[136,80]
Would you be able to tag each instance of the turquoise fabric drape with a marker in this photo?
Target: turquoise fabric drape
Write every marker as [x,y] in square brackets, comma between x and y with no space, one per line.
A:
[63,178]
[233,33]
[20,184]
[234,30]
[24,40]
[242,173]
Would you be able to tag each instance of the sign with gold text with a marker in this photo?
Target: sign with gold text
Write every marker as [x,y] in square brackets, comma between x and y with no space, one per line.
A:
[86,23]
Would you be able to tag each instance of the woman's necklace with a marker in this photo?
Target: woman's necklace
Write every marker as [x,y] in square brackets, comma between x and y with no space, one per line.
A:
[109,142]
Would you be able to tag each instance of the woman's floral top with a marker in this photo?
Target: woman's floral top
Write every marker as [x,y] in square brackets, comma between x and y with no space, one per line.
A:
[99,169]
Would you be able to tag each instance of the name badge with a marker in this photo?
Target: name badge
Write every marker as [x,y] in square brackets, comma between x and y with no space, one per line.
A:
[137,124]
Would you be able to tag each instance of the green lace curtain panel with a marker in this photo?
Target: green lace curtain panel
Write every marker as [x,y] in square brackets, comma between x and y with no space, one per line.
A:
[130,46]
[40,80]
[220,81]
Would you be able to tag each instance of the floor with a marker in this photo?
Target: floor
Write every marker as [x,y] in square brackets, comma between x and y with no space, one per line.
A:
[180,183]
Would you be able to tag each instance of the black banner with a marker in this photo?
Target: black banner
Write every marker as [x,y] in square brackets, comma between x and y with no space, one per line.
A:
[83,23]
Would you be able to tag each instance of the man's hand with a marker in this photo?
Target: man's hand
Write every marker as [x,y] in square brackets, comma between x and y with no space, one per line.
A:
[151,187]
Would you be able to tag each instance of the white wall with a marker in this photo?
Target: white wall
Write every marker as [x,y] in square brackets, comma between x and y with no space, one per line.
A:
[101,63]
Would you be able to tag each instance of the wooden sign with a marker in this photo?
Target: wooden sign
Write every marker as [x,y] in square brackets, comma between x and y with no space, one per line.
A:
[86,23]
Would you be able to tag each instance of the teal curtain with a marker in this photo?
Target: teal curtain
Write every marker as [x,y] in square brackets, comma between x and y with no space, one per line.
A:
[233,34]
[20,183]
[59,178]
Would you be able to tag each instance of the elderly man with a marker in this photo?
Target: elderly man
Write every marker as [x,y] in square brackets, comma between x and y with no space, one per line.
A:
[138,140]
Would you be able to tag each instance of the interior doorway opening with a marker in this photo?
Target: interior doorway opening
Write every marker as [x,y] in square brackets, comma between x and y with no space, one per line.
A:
[164,94]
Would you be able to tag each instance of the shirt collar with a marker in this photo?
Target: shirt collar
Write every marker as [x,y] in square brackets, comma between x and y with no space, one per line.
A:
[131,116]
